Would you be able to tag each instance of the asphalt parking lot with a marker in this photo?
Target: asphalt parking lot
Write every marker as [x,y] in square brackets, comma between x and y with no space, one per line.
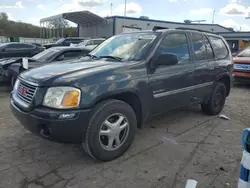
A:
[169,150]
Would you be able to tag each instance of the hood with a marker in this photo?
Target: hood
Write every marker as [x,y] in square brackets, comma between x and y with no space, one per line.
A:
[46,75]
[241,59]
[8,61]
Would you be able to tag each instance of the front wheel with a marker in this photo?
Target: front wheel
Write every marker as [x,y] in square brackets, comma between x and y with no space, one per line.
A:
[110,131]
[217,100]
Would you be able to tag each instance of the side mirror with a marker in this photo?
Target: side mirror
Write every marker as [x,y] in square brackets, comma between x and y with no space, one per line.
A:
[234,54]
[60,58]
[166,59]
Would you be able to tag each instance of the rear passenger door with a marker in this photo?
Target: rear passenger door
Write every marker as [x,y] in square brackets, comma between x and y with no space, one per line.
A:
[172,85]
[205,62]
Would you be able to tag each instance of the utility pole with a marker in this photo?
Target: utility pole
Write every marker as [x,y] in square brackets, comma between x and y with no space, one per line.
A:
[213,16]
[111,9]
[125,13]
[125,9]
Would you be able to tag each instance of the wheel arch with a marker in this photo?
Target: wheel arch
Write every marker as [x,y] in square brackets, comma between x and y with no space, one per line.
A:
[130,97]
[225,79]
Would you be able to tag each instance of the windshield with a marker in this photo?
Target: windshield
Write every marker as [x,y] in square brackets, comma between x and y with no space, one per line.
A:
[244,53]
[60,41]
[46,55]
[130,47]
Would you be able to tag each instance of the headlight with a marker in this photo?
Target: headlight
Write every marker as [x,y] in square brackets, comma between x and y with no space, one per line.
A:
[16,85]
[62,97]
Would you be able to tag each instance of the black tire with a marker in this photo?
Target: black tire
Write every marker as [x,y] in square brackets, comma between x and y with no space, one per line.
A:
[91,142]
[217,100]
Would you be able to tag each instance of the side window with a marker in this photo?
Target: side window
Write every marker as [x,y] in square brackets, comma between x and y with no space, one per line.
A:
[10,47]
[67,42]
[219,47]
[91,42]
[175,44]
[97,42]
[198,46]
[71,55]
[25,46]
[210,54]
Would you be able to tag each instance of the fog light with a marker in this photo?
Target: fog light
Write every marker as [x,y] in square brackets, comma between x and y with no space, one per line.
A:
[66,116]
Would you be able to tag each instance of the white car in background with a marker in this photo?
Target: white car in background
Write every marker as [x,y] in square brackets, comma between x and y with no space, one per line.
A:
[91,43]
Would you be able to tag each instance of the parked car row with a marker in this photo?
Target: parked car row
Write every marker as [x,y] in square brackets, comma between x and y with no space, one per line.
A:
[17,49]
[101,99]
[241,61]
[11,54]
[11,68]
[66,42]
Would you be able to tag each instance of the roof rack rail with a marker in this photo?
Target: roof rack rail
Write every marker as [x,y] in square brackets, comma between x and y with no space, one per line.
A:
[159,27]
[192,29]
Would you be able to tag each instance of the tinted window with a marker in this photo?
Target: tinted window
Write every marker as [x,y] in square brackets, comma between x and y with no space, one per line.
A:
[210,54]
[175,44]
[70,55]
[76,41]
[19,46]
[67,41]
[219,47]
[97,42]
[198,46]
[91,42]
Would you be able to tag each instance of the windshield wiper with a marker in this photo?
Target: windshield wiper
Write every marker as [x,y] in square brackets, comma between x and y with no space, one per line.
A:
[111,57]
[91,56]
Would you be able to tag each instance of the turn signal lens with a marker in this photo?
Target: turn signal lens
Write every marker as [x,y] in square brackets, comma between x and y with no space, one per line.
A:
[71,99]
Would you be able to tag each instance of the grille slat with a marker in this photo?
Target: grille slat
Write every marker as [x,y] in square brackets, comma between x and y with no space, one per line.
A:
[29,98]
[24,99]
[26,92]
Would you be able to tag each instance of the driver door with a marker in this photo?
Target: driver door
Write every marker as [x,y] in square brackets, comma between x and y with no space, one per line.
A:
[172,85]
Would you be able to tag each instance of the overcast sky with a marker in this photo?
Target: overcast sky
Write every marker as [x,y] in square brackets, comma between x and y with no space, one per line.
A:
[227,13]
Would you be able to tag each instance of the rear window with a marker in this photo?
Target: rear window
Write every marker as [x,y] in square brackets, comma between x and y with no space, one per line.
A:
[219,47]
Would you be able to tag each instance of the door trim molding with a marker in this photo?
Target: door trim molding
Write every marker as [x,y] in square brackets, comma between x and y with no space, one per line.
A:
[163,94]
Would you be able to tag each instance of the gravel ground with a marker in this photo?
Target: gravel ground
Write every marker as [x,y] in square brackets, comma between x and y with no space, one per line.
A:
[169,150]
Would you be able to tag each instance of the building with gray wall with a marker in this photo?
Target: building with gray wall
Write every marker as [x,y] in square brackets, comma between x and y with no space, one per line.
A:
[94,26]
[118,24]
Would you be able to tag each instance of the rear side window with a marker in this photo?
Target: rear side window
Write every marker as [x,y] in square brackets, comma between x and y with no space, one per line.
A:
[219,47]
[198,46]
[210,54]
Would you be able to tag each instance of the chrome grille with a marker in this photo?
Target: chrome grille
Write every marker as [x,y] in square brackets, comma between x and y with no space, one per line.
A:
[26,92]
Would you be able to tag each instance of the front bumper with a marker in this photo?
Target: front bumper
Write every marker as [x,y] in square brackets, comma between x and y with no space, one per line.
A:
[46,123]
[241,76]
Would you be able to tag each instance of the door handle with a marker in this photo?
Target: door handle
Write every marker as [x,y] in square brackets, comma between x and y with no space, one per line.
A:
[190,72]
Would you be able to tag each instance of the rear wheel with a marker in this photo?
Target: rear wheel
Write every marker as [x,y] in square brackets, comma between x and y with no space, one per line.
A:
[216,101]
[110,130]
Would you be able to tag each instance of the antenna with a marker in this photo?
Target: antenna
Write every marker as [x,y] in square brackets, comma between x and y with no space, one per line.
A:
[125,9]
[213,16]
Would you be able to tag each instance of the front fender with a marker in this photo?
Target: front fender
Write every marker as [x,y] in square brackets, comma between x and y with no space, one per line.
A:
[91,95]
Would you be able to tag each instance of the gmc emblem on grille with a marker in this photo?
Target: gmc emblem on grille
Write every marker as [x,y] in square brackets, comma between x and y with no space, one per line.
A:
[22,91]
